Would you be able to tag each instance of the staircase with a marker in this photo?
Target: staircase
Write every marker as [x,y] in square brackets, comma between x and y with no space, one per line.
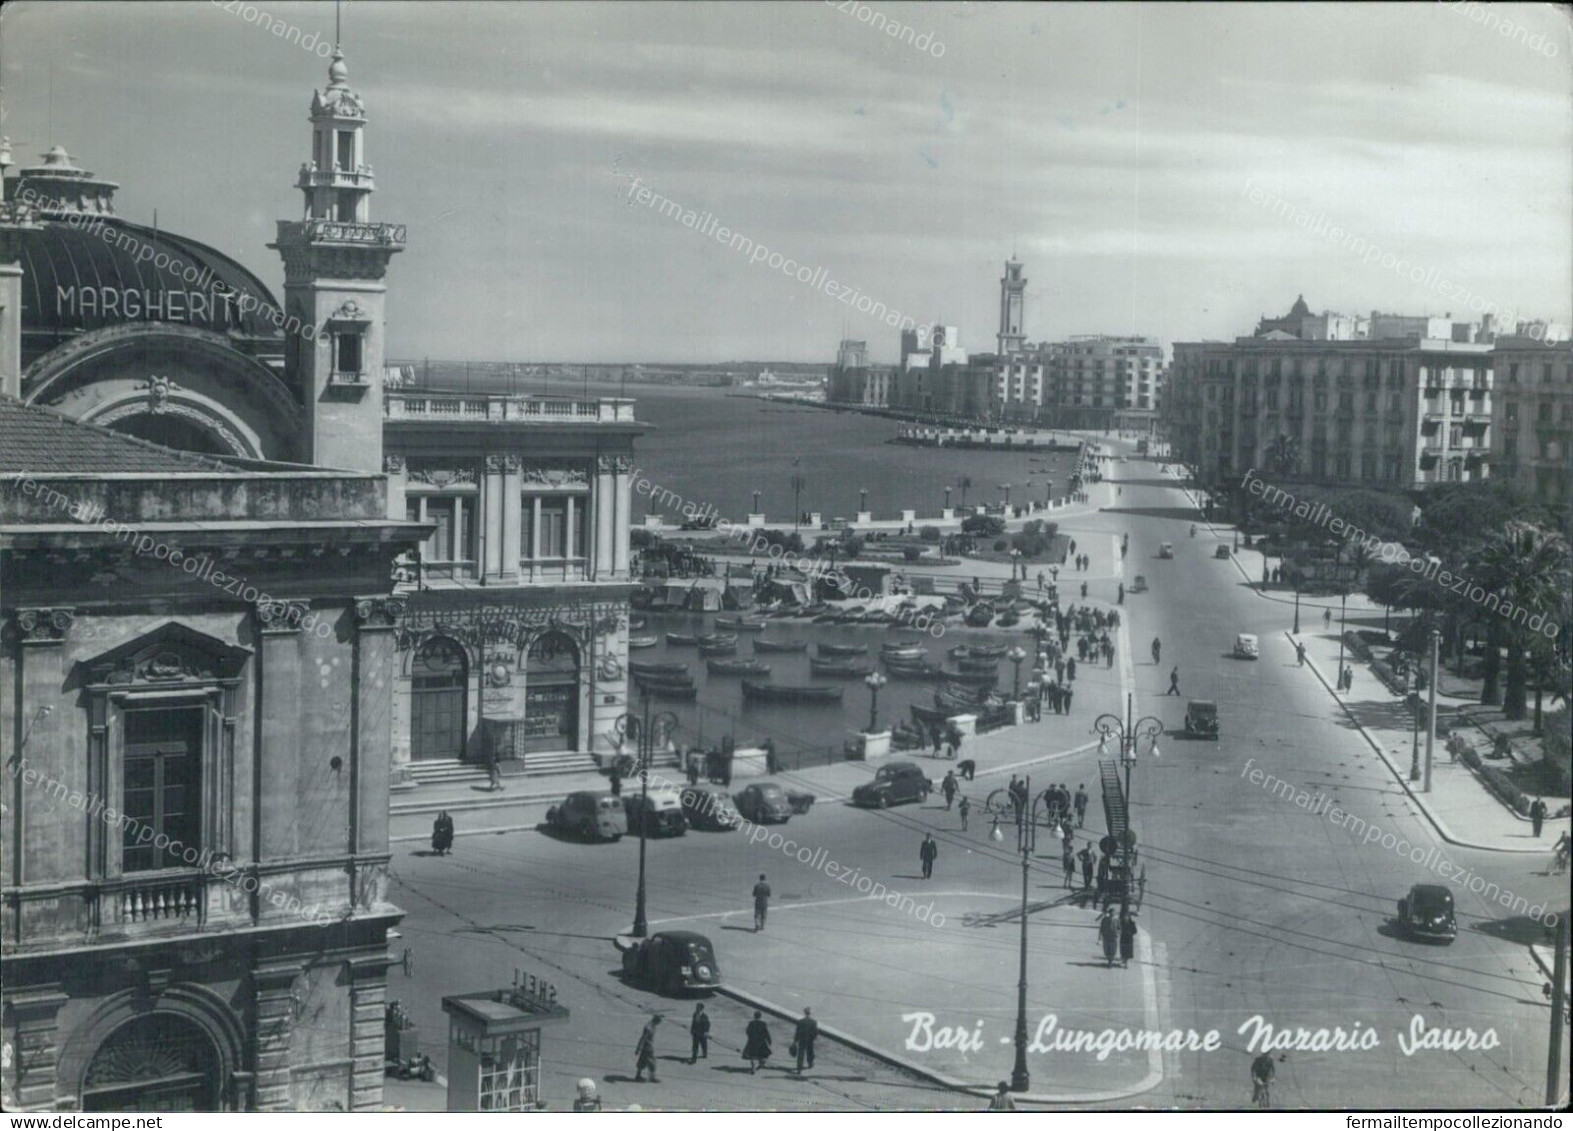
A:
[1113,800]
[451,771]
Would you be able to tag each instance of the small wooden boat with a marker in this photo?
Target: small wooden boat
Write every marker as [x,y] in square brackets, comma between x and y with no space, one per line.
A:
[658,668]
[923,671]
[904,642]
[743,624]
[827,618]
[980,651]
[737,667]
[932,716]
[635,623]
[972,664]
[853,617]
[902,652]
[1008,618]
[845,668]
[643,641]
[787,693]
[717,648]
[715,638]
[973,679]
[763,645]
[668,690]
[843,649]
[980,615]
[681,639]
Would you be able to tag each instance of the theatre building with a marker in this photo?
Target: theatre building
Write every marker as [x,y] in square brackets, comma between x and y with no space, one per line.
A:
[515,637]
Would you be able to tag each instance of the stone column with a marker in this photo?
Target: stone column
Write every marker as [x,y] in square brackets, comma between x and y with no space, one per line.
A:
[276,757]
[273,1012]
[393,467]
[368,1000]
[492,515]
[604,488]
[34,1015]
[49,831]
[376,667]
[535,536]
[621,534]
[512,513]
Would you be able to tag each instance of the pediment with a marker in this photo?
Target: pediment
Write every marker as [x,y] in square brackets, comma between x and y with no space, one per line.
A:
[170,654]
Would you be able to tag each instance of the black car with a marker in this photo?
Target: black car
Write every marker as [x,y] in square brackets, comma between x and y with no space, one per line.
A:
[1427,912]
[672,962]
[764,802]
[1201,719]
[708,808]
[895,783]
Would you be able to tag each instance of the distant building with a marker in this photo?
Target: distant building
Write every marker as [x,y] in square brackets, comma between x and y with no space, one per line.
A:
[1532,416]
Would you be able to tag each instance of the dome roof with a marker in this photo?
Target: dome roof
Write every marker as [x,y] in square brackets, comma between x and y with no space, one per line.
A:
[83,272]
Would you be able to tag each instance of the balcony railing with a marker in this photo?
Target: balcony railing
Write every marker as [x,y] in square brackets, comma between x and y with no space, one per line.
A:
[501,409]
[165,899]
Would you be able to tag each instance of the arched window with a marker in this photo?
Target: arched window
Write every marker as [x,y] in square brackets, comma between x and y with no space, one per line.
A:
[438,681]
[158,1062]
[551,695]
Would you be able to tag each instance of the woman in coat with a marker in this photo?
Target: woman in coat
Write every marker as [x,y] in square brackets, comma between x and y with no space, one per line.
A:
[756,1048]
[1109,932]
[442,833]
[1127,939]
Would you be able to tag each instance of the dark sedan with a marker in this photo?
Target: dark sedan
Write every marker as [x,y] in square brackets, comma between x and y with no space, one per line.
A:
[708,808]
[764,802]
[1427,913]
[672,962]
[896,782]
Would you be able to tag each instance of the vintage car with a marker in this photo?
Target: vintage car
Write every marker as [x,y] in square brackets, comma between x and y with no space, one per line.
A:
[672,962]
[1201,719]
[763,803]
[1427,913]
[660,812]
[1246,647]
[895,783]
[1221,553]
[592,814]
[1166,550]
[709,808]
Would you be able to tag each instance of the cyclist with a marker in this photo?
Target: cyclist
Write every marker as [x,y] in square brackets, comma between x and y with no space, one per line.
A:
[1262,1071]
[1157,649]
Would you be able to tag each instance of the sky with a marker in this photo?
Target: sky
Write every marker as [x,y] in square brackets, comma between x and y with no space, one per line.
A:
[1171,170]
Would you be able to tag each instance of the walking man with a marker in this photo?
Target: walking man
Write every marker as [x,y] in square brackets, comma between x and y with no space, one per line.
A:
[1081,805]
[644,1052]
[1070,669]
[948,788]
[1127,940]
[1537,816]
[1085,855]
[761,902]
[964,808]
[1066,696]
[1299,652]
[699,1032]
[616,779]
[926,854]
[493,770]
[1174,681]
[1070,867]
[937,740]
[803,1040]
[1109,934]
[1327,618]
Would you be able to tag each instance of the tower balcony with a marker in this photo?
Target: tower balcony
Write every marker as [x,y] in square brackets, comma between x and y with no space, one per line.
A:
[482,408]
[353,232]
[312,177]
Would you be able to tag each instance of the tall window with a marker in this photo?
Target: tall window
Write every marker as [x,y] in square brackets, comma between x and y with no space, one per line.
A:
[346,156]
[554,528]
[163,771]
[347,352]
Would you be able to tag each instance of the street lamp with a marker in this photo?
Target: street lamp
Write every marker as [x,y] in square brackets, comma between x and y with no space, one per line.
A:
[1015,561]
[862,499]
[1343,599]
[1128,734]
[1016,656]
[875,681]
[1297,607]
[1413,703]
[1006,488]
[1027,822]
[798,483]
[756,502]
[947,498]
[644,732]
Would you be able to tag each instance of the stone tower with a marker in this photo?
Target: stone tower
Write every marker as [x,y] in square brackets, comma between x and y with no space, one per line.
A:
[1013,287]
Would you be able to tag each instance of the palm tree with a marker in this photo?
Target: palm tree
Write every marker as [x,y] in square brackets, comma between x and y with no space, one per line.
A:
[1285,454]
[965,482]
[1525,567]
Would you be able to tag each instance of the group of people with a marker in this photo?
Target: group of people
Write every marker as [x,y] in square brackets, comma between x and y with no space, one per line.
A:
[1118,935]
[757,1047]
[948,735]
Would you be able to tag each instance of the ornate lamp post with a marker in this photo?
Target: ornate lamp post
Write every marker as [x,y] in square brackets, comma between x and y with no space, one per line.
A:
[875,681]
[862,499]
[756,502]
[947,498]
[1128,735]
[1005,487]
[1016,656]
[1297,607]
[1343,600]
[1001,806]
[646,733]
[798,483]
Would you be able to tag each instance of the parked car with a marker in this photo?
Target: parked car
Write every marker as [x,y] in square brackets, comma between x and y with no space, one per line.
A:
[592,814]
[1246,647]
[660,811]
[1166,550]
[709,808]
[1201,719]
[801,801]
[673,962]
[1427,912]
[1222,553]
[763,803]
[895,783]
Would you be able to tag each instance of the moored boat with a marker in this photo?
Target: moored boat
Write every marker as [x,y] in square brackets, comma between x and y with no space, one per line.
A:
[717,638]
[980,651]
[973,679]
[658,668]
[743,624]
[668,690]
[902,652]
[931,716]
[973,664]
[843,649]
[763,645]
[681,639]
[717,647]
[921,670]
[737,667]
[788,693]
[845,668]
[643,641]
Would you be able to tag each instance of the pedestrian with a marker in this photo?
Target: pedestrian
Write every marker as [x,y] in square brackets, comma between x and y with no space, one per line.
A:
[1267,574]
[1085,855]
[442,833]
[756,1045]
[1127,940]
[1299,652]
[1059,671]
[1070,866]
[1174,681]
[761,902]
[1537,815]
[1122,593]
[1065,695]
[954,740]
[803,1038]
[1000,1100]
[964,808]
[926,853]
[1348,678]
[644,1052]
[693,767]
[493,770]
[1103,872]
[1109,933]
[937,740]
[1070,670]
[616,779]
[1081,805]
[948,788]
[967,768]
[586,1100]
[1157,650]
[1327,618]
[699,1034]
[1083,588]
[1073,545]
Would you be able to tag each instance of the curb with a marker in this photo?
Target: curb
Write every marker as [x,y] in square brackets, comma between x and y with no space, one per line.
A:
[1402,778]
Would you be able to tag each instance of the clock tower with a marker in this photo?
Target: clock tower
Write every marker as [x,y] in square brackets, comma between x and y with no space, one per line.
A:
[335,259]
[1013,286]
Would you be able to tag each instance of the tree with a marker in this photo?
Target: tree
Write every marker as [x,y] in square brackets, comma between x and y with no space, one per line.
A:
[1524,571]
[983,525]
[1285,454]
